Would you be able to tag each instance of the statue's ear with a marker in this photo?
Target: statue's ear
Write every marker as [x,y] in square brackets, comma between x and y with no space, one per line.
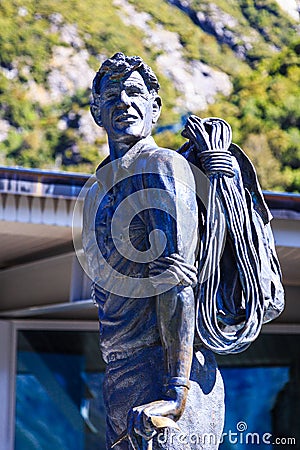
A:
[95,111]
[157,104]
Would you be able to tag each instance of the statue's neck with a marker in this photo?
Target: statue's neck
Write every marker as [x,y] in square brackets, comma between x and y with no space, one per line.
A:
[119,149]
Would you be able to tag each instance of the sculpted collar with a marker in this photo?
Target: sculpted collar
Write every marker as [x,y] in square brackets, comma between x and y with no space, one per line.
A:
[134,151]
[110,170]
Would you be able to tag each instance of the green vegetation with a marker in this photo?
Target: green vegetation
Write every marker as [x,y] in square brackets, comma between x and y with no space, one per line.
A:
[261,54]
[196,43]
[264,112]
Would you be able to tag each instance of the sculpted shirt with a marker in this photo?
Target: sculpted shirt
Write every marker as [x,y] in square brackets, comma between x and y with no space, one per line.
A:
[140,227]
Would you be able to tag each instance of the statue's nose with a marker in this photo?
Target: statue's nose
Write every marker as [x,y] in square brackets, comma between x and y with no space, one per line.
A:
[124,98]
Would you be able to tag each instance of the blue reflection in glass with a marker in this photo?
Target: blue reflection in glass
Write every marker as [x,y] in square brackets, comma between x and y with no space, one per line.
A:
[250,395]
[58,404]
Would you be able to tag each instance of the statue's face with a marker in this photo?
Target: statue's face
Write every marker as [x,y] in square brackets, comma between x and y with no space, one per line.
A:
[128,110]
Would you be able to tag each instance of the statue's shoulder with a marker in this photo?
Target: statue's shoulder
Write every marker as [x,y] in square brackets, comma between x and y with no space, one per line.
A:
[93,190]
[167,153]
[165,162]
[162,156]
[92,196]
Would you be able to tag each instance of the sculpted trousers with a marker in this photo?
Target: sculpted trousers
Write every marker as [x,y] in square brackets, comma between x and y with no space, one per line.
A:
[138,380]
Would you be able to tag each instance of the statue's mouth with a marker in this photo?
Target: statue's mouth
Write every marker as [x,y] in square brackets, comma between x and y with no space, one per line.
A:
[128,118]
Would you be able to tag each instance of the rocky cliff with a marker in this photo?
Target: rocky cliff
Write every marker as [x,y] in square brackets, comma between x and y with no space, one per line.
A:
[209,57]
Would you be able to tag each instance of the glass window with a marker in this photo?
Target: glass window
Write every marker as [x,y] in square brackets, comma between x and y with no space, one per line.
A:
[262,387]
[59,391]
[59,401]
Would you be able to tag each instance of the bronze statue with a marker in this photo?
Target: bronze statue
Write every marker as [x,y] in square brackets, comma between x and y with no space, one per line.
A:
[183,264]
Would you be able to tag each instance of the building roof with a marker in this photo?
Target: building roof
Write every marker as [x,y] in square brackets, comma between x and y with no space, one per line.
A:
[36,213]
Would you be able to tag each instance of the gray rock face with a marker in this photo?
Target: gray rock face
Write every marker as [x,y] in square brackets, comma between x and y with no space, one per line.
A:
[69,35]
[218,23]
[88,129]
[291,7]
[70,72]
[196,82]
[4,129]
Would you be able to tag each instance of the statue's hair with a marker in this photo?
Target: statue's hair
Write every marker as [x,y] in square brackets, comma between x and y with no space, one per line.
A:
[119,65]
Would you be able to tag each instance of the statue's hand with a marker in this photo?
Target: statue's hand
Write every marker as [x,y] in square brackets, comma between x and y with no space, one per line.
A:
[146,420]
[212,138]
[194,130]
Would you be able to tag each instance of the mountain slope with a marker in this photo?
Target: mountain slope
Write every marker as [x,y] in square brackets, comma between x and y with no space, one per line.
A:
[237,59]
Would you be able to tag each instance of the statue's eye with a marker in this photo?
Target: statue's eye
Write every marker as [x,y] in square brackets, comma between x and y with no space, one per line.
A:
[110,95]
[133,92]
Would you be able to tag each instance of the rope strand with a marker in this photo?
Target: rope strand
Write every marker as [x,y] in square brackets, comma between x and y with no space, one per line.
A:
[226,198]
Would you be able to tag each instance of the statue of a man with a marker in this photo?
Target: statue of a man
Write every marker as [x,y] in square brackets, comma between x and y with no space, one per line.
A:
[141,240]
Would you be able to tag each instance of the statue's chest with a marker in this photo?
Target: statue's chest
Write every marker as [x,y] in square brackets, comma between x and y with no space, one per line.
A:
[119,225]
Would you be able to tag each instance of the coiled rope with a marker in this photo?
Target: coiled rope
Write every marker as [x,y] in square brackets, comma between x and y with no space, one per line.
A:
[225,199]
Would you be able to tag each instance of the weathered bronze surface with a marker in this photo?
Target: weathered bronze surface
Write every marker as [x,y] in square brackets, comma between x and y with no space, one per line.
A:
[179,248]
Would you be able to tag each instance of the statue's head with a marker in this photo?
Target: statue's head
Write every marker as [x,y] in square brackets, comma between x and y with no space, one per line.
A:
[125,97]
